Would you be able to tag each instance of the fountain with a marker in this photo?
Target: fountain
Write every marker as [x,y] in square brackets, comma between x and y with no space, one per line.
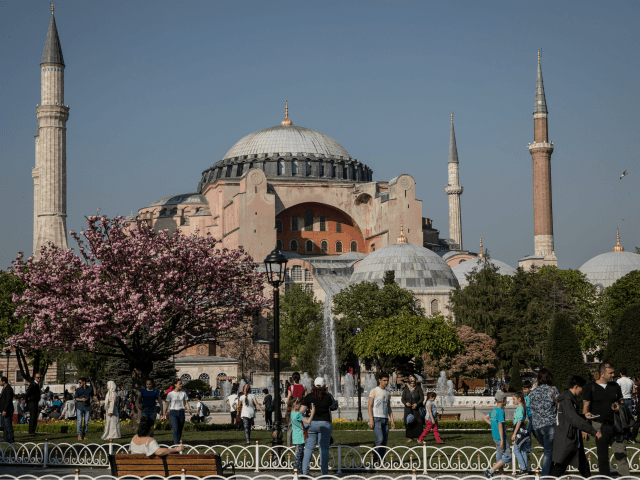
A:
[441,389]
[349,389]
[241,387]
[328,361]
[306,381]
[369,384]
[270,386]
[451,395]
[226,391]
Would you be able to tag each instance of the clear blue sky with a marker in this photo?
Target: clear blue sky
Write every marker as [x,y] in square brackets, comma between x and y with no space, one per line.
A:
[160,90]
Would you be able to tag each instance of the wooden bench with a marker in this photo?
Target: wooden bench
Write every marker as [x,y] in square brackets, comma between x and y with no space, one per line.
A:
[449,416]
[166,465]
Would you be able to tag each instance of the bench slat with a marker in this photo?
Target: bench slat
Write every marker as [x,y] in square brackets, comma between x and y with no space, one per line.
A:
[142,473]
[160,467]
[159,461]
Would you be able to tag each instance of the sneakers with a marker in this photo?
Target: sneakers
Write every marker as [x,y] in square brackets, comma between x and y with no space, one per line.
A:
[488,474]
[521,473]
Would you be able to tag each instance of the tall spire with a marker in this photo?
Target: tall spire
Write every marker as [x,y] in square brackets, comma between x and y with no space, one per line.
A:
[541,103]
[287,121]
[481,254]
[453,149]
[52,50]
[618,247]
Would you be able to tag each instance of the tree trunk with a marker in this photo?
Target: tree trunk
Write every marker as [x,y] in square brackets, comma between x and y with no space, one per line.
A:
[140,372]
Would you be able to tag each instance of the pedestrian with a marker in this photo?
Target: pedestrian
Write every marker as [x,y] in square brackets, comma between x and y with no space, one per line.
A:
[69,410]
[320,428]
[199,416]
[628,388]
[521,438]
[499,433]
[568,448]
[268,408]
[526,389]
[33,397]
[380,415]
[6,410]
[144,443]
[465,388]
[296,390]
[247,405]
[413,401]
[544,408]
[112,421]
[150,400]
[232,403]
[432,419]
[299,433]
[289,408]
[602,399]
[177,402]
[83,407]
[96,408]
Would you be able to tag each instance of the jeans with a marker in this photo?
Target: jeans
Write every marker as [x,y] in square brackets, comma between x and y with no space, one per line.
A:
[319,433]
[521,454]
[149,412]
[176,418]
[268,418]
[246,422]
[436,434]
[82,415]
[7,428]
[381,431]
[503,456]
[297,460]
[33,417]
[545,436]
[619,450]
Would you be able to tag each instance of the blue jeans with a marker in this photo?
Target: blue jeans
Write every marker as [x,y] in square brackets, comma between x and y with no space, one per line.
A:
[176,418]
[521,454]
[149,412]
[381,431]
[80,415]
[503,455]
[319,432]
[7,428]
[545,436]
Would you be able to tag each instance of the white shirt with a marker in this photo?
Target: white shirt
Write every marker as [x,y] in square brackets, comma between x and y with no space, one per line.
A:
[626,385]
[232,399]
[200,409]
[69,409]
[248,410]
[381,400]
[176,400]
[148,448]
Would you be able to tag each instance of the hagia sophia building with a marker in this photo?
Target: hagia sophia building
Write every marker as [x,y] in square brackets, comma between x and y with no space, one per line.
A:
[300,191]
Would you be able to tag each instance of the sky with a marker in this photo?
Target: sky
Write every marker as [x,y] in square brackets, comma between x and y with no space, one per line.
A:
[160,90]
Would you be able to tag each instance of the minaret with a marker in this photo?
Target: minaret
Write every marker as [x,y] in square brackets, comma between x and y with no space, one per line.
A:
[50,173]
[454,190]
[541,151]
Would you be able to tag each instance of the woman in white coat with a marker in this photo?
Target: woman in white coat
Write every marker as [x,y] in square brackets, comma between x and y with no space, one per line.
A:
[112,419]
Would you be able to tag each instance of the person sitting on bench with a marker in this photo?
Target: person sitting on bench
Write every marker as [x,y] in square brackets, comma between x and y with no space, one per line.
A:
[145,444]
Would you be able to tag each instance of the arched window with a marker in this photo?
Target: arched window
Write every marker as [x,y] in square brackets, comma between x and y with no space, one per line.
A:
[294,167]
[294,223]
[308,167]
[354,246]
[280,167]
[293,245]
[321,169]
[344,171]
[324,246]
[307,276]
[308,246]
[228,174]
[338,247]
[339,227]
[186,378]
[205,378]
[323,224]
[434,307]
[308,221]
[373,247]
[333,171]
[221,377]
[279,245]
[240,169]
[279,226]
[296,273]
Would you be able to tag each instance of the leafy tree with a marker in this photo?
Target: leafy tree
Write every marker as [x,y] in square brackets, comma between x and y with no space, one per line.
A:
[407,336]
[515,385]
[622,348]
[477,359]
[563,356]
[624,292]
[389,277]
[197,384]
[117,369]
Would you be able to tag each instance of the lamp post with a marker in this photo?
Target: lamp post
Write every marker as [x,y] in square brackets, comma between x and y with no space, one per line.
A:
[359,417]
[275,264]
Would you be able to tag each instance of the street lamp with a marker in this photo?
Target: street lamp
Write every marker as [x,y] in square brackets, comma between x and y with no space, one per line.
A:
[359,417]
[275,264]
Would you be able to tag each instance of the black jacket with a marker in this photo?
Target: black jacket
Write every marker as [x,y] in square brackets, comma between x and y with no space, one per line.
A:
[566,440]
[6,400]
[416,397]
[32,395]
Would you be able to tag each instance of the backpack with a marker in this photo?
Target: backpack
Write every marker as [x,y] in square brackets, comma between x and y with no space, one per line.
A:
[205,410]
[268,405]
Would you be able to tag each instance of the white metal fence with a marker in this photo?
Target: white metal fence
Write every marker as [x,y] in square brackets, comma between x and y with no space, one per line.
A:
[294,476]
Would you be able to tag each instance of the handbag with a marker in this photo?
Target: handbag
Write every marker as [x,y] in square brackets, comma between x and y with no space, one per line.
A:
[334,404]
[423,412]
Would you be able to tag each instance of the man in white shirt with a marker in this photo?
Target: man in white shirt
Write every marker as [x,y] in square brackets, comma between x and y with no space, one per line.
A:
[628,388]
[232,403]
[380,414]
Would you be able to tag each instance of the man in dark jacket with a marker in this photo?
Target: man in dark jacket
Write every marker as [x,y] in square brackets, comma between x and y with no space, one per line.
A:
[6,410]
[32,396]
[568,448]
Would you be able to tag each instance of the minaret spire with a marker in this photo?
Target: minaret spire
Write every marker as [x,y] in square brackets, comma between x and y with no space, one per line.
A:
[618,247]
[481,254]
[52,53]
[287,121]
[454,190]
[541,102]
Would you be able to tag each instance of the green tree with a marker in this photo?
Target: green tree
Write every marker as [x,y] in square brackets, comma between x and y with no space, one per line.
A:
[197,384]
[624,292]
[407,336]
[563,355]
[117,369]
[622,348]
[300,327]
[389,277]
[515,385]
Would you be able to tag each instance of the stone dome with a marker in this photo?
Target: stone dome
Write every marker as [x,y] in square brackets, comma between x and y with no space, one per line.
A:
[415,267]
[603,270]
[462,269]
[287,138]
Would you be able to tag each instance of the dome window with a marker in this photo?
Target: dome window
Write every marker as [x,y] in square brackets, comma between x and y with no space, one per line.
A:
[307,276]
[339,227]
[434,307]
[279,245]
[324,246]
[333,171]
[338,247]
[308,167]
[323,223]
[279,226]
[321,169]
[294,223]
[240,169]
[308,221]
[296,273]
[280,167]
[294,167]
[308,246]
[293,246]
[354,246]
[344,171]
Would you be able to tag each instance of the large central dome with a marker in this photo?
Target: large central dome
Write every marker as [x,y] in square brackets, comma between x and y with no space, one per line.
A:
[287,138]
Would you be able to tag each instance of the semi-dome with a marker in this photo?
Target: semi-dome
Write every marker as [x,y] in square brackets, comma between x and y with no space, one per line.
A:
[415,267]
[463,269]
[605,269]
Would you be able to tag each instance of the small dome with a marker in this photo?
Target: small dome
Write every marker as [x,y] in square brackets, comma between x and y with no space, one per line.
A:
[185,198]
[462,269]
[604,270]
[415,267]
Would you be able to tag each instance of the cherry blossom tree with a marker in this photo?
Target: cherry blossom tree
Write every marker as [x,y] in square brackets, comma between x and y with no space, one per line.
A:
[134,293]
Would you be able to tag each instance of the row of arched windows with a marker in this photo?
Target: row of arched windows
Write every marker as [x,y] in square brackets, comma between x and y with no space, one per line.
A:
[308,223]
[297,274]
[296,168]
[309,246]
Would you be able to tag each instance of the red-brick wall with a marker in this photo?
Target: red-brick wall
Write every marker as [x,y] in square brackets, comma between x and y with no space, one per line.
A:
[206,349]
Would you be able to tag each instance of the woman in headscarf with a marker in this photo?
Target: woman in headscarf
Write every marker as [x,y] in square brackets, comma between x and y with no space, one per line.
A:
[112,419]
[413,400]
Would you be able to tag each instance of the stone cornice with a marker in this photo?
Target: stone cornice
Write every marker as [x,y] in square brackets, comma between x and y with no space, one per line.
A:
[545,145]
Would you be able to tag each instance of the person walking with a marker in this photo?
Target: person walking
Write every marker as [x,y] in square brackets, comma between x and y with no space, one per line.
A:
[112,421]
[544,408]
[432,419]
[6,410]
[268,408]
[296,390]
[521,438]
[602,399]
[628,388]
[320,429]
[297,419]
[380,415]
[499,434]
[413,401]
[150,401]
[247,405]
[32,396]
[177,402]
[232,403]
[83,407]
